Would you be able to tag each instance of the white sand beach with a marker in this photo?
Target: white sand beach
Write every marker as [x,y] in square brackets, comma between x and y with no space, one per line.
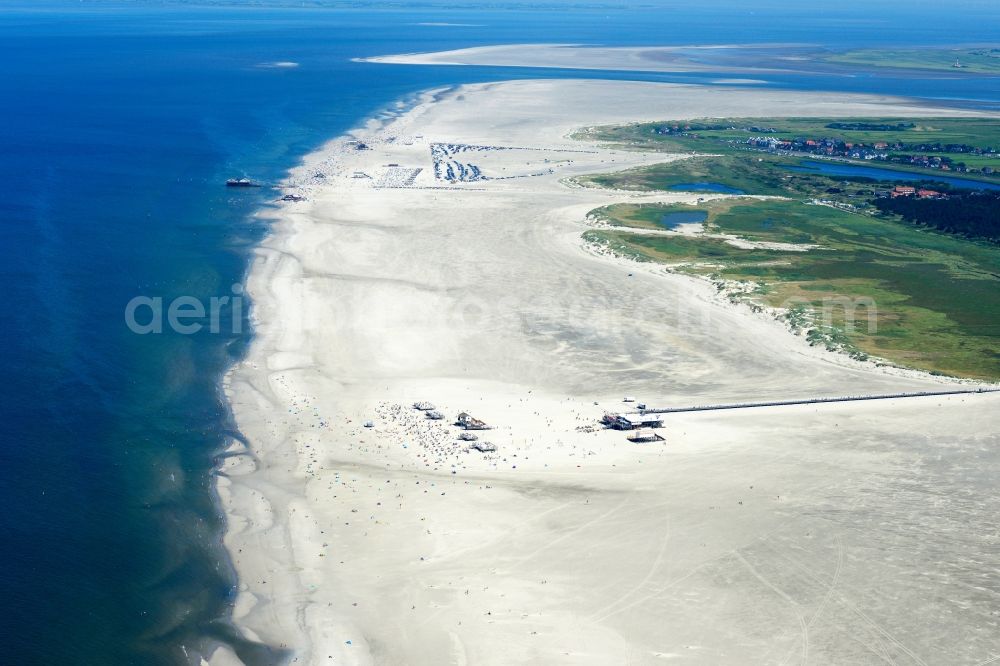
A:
[828,534]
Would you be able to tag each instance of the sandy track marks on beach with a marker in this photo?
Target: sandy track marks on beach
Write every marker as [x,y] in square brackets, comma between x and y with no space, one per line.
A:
[571,546]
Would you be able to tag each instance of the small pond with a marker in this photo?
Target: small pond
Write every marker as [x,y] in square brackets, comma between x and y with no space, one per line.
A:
[842,169]
[673,220]
[718,188]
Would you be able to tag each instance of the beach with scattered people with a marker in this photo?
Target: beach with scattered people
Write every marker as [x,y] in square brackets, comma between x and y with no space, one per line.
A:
[423,476]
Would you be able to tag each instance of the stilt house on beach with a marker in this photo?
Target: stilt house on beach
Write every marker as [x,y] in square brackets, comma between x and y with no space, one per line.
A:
[470,422]
[636,420]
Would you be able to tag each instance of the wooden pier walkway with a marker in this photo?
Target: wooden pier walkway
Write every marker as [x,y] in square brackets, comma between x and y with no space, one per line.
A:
[815,401]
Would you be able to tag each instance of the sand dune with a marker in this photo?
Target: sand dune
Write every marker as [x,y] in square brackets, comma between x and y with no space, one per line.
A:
[853,533]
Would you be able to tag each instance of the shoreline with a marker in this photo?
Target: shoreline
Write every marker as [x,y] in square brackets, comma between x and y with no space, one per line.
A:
[375,270]
[238,458]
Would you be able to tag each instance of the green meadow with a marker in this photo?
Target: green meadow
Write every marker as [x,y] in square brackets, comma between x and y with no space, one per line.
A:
[757,174]
[982,132]
[711,136]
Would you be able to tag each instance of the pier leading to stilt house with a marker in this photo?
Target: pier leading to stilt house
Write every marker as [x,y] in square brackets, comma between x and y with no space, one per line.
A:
[808,401]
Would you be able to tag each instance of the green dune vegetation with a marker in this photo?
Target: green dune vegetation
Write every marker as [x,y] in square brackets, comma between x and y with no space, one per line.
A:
[934,299]
[845,275]
[973,60]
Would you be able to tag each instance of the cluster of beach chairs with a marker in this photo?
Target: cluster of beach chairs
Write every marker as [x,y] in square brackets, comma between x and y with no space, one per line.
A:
[396,176]
[465,421]
[446,167]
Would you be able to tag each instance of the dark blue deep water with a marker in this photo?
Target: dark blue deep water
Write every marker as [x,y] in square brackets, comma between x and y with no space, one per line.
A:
[118,124]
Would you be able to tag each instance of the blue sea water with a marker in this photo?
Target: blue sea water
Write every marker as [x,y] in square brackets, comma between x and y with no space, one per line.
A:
[119,124]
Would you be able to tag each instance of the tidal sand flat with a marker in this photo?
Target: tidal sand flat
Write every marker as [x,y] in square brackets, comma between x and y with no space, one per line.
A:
[436,256]
[566,56]
[733,57]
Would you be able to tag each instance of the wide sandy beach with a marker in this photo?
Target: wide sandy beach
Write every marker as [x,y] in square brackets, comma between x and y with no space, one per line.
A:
[834,534]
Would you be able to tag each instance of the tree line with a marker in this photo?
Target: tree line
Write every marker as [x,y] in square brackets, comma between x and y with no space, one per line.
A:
[970,214]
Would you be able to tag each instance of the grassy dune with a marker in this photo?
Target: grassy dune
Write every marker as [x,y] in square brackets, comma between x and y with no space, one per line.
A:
[937,298]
